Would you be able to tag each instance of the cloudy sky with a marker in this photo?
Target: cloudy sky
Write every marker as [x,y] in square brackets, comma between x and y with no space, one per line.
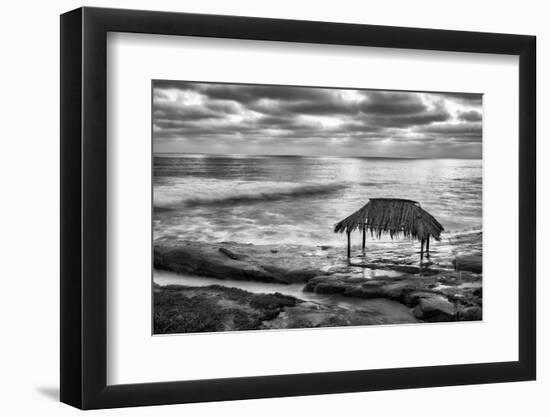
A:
[190,117]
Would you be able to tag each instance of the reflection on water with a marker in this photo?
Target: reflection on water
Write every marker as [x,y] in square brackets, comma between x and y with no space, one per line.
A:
[266,199]
[295,290]
[171,278]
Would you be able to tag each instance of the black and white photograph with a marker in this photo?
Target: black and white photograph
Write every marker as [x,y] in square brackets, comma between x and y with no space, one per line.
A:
[265,209]
[288,207]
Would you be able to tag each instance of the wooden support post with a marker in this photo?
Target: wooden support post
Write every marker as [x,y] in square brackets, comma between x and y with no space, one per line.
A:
[364,237]
[421,250]
[349,244]
[428,246]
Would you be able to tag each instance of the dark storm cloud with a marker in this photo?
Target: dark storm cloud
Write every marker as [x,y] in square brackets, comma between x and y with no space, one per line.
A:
[250,93]
[190,113]
[462,129]
[471,99]
[329,106]
[246,93]
[470,116]
[167,113]
[408,120]
[392,103]
[309,120]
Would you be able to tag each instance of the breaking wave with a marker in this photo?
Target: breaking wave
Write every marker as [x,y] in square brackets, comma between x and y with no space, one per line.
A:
[250,198]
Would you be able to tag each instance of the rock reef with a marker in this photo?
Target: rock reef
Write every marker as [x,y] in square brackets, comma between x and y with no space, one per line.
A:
[265,263]
[441,297]
[182,309]
[397,288]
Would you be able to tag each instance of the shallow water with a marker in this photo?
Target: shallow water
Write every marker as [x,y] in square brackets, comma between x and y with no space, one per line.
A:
[276,200]
[379,305]
[297,200]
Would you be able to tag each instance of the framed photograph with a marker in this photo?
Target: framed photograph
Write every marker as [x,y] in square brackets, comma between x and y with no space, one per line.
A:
[258,208]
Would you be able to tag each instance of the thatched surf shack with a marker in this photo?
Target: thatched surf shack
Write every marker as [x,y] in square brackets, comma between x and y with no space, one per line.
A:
[393,216]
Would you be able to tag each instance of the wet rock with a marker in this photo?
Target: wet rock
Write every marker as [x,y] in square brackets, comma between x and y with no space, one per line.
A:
[405,289]
[433,298]
[399,290]
[307,315]
[230,254]
[335,284]
[472,263]
[413,298]
[408,269]
[470,314]
[235,261]
[434,309]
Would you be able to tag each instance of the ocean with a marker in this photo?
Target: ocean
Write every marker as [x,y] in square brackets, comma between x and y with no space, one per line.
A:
[298,199]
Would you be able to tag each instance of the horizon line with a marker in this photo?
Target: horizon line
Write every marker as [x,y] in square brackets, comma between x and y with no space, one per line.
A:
[317,156]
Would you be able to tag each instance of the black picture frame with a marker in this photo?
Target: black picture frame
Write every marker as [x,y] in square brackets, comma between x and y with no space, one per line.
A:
[84,209]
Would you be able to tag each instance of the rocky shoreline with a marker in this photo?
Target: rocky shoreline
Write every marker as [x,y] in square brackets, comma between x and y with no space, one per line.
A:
[183,309]
[229,260]
[397,289]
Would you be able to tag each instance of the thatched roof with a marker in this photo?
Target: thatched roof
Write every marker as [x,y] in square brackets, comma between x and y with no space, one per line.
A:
[394,216]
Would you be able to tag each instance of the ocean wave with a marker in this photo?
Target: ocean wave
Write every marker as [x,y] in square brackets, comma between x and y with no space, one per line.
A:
[449,234]
[375,184]
[471,180]
[256,197]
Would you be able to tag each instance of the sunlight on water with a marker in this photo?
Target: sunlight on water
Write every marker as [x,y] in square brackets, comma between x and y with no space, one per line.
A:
[277,200]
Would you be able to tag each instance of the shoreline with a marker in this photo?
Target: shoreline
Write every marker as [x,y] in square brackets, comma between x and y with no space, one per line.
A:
[383,286]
